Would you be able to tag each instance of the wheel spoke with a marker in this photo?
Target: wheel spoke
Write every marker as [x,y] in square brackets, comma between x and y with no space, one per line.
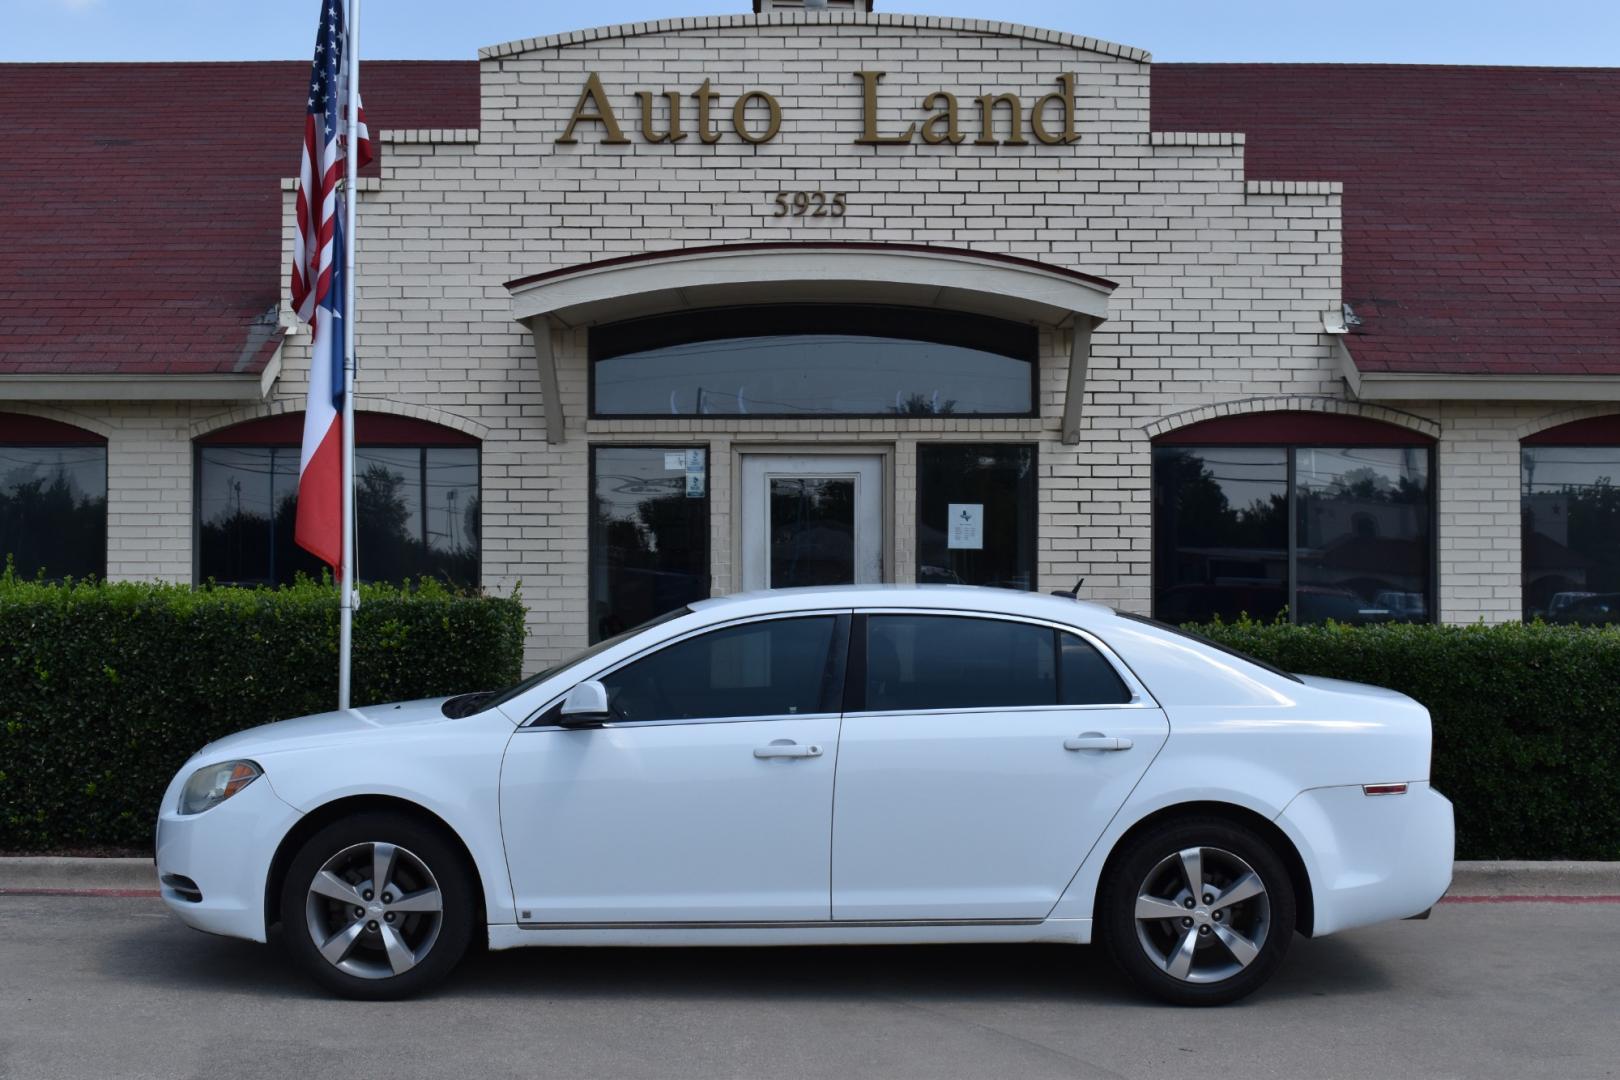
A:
[1152,907]
[400,957]
[382,866]
[1245,887]
[1242,949]
[329,885]
[422,900]
[1179,963]
[1192,865]
[338,945]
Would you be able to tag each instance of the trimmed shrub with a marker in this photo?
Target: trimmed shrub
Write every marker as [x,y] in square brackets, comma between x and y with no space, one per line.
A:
[1526,720]
[106,689]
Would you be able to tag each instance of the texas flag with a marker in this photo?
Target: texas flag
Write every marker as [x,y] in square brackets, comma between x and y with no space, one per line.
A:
[317,283]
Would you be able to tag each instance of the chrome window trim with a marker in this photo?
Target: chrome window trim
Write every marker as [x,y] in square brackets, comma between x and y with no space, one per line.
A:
[1140,697]
[532,723]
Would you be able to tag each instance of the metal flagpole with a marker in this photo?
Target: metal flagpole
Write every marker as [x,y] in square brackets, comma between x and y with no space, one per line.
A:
[351,173]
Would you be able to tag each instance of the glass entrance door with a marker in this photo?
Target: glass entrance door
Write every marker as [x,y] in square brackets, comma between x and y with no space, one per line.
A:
[811,519]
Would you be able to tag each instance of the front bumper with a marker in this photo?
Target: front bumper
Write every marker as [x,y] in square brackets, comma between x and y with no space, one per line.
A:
[1372,858]
[226,852]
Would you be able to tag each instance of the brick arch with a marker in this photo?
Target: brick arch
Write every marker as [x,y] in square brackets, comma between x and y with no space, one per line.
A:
[362,403]
[60,416]
[1333,406]
[1548,421]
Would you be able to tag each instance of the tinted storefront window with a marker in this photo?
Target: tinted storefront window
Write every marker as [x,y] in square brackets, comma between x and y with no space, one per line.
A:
[416,513]
[649,533]
[807,360]
[1220,532]
[1361,545]
[1571,510]
[976,514]
[53,510]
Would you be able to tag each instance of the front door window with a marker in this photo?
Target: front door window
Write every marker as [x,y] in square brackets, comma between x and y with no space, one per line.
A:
[811,519]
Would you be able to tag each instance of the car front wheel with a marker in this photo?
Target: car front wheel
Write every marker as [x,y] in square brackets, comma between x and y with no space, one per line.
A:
[377,906]
[1197,911]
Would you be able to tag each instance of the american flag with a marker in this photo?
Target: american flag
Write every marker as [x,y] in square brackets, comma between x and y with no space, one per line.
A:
[317,282]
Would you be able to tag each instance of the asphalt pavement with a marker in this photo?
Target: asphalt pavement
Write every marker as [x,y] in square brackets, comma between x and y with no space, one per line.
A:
[115,987]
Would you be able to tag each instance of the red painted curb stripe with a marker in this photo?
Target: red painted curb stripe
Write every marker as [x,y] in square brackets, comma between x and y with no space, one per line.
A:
[1530,899]
[141,894]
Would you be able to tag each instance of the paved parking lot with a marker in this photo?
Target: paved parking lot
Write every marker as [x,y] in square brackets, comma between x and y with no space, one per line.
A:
[114,987]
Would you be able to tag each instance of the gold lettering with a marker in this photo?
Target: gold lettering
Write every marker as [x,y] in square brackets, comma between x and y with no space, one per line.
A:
[597,97]
[948,115]
[869,135]
[674,134]
[705,97]
[1065,100]
[739,116]
[987,120]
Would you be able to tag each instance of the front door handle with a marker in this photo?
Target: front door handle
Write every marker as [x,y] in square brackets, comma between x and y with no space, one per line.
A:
[1096,742]
[787,750]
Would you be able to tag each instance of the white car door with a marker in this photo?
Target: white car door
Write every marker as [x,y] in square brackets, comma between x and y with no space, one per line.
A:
[980,760]
[708,797]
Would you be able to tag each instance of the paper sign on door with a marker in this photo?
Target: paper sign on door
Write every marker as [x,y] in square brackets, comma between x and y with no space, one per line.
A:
[966,526]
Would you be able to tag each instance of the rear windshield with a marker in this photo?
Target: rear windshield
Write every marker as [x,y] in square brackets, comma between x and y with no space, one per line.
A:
[1208,643]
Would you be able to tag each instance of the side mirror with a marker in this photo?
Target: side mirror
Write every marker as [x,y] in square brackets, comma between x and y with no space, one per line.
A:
[586,704]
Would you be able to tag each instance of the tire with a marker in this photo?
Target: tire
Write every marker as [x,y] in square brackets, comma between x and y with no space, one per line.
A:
[1235,945]
[379,945]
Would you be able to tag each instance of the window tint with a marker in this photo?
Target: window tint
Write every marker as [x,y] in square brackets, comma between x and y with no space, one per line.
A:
[53,510]
[416,513]
[949,662]
[649,533]
[1084,677]
[1571,510]
[772,668]
[813,360]
[976,514]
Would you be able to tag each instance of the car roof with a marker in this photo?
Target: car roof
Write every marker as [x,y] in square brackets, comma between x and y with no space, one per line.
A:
[924,597]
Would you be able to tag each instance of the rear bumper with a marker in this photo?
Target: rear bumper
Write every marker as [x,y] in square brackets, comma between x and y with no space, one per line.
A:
[1371,858]
[226,852]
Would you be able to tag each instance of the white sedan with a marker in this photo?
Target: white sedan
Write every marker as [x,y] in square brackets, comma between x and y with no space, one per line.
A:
[858,765]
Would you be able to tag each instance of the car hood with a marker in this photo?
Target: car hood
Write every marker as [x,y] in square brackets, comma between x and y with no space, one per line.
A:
[325,728]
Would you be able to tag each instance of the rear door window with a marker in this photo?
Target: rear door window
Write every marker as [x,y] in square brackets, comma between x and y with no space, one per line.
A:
[916,662]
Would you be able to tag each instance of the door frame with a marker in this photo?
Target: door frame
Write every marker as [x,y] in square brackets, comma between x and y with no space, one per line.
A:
[887,512]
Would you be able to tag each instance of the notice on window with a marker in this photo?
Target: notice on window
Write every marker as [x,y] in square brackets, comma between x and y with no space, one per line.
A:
[697,474]
[966,526]
[675,461]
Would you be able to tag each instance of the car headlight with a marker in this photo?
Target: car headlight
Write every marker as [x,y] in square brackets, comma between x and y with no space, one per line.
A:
[208,787]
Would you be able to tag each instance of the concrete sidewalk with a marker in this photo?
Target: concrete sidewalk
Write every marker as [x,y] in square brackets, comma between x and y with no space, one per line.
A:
[50,873]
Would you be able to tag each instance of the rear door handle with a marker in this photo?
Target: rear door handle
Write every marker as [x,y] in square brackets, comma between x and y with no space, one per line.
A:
[1096,742]
[787,750]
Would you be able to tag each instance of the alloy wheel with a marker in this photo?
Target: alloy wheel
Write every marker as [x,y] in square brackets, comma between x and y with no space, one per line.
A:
[374,910]
[1202,915]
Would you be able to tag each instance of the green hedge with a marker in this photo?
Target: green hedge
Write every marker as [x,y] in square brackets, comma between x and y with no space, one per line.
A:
[1526,721]
[105,690]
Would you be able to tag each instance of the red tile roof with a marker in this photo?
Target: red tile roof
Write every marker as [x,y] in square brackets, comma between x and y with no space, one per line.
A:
[1481,204]
[142,203]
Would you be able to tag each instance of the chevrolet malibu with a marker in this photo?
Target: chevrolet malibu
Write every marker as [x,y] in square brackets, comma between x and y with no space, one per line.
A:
[857,765]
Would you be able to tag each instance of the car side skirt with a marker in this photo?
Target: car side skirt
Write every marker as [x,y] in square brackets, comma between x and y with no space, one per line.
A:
[1057,931]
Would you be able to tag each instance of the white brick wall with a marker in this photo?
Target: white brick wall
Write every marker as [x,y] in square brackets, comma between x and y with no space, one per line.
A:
[1222,285]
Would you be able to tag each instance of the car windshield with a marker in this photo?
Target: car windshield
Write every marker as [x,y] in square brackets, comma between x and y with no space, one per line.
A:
[605,644]
[1208,642]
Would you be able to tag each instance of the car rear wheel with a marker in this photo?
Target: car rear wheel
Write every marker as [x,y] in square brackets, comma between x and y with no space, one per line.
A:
[377,906]
[1197,911]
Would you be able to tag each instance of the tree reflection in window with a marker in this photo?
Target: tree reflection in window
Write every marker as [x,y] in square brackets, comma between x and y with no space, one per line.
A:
[1571,525]
[417,514]
[649,541]
[53,510]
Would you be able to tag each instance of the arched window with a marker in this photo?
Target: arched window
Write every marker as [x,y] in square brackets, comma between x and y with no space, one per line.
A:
[1570,504]
[1320,515]
[820,360]
[53,498]
[416,503]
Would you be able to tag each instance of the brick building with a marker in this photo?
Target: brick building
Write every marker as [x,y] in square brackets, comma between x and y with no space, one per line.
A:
[654,311]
